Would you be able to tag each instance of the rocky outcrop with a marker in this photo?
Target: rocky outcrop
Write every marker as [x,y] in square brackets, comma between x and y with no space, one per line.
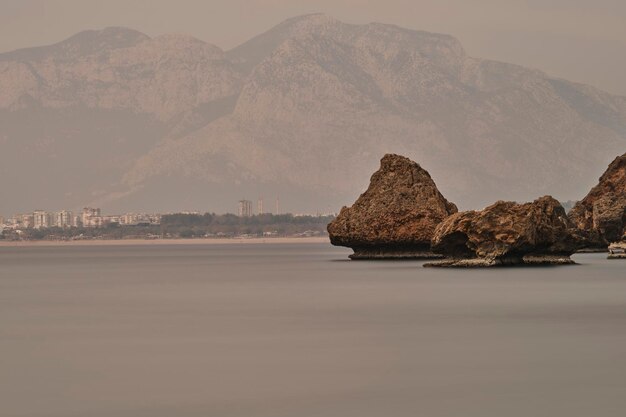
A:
[507,233]
[397,215]
[602,213]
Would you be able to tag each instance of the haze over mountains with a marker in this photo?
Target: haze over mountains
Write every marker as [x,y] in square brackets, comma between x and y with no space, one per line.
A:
[304,111]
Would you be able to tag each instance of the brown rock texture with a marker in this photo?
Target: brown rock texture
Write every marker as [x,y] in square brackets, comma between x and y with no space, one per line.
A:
[396,216]
[602,213]
[508,233]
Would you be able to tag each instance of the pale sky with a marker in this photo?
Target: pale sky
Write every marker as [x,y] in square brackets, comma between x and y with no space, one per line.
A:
[581,40]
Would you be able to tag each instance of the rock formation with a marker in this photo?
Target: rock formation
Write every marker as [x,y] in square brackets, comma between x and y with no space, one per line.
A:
[507,233]
[602,213]
[397,215]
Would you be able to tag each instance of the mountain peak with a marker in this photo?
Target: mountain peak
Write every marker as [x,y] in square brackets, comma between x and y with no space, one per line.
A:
[92,41]
[439,47]
[113,36]
[83,43]
[310,19]
[257,48]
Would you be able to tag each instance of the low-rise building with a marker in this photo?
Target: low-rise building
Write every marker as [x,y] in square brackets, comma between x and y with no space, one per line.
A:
[114,218]
[24,221]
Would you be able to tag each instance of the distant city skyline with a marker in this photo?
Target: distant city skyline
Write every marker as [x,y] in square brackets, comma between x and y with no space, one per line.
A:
[243,206]
[93,217]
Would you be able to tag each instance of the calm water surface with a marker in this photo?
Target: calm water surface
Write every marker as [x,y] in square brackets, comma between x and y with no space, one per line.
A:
[297,330]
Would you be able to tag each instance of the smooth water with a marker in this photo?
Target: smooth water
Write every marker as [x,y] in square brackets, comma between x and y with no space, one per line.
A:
[279,330]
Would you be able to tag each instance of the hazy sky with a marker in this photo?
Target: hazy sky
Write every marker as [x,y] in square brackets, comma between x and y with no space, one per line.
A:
[581,40]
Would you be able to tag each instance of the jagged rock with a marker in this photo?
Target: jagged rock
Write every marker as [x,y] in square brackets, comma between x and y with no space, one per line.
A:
[397,215]
[602,213]
[507,233]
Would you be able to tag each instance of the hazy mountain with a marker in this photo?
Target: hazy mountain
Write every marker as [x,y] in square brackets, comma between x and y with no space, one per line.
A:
[304,111]
[75,115]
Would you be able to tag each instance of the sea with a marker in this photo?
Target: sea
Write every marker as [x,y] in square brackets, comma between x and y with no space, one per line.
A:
[298,330]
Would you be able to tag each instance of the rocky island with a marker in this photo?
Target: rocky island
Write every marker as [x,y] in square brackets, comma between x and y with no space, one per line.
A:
[601,215]
[507,233]
[395,218]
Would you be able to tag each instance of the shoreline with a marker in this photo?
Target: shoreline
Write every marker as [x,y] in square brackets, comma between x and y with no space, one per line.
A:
[182,241]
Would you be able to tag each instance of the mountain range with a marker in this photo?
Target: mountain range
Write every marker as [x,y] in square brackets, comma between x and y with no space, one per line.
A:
[303,112]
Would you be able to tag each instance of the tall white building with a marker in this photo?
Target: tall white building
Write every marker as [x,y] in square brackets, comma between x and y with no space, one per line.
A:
[91,217]
[41,219]
[245,208]
[259,206]
[63,219]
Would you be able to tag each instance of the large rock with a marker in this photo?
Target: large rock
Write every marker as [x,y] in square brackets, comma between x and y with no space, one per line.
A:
[602,213]
[395,217]
[507,233]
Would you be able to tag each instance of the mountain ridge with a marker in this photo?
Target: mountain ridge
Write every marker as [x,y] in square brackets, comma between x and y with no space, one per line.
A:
[309,106]
[84,42]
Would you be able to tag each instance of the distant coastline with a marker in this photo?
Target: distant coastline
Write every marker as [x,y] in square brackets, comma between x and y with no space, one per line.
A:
[181,241]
